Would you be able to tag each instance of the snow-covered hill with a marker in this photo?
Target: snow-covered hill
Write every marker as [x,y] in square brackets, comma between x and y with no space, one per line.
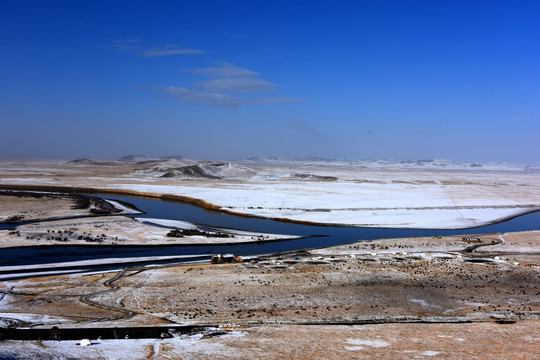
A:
[201,170]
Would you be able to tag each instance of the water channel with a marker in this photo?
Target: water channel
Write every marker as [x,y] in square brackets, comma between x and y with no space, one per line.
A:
[329,235]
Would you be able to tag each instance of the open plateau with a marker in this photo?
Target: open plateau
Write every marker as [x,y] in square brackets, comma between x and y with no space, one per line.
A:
[462,295]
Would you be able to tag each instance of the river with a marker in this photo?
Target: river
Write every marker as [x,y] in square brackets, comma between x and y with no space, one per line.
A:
[331,235]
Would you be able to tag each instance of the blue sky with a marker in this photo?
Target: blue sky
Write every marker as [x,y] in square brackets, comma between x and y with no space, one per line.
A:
[229,79]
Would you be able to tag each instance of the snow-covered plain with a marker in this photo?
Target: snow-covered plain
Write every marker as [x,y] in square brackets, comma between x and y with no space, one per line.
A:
[177,347]
[434,194]
[407,195]
[355,204]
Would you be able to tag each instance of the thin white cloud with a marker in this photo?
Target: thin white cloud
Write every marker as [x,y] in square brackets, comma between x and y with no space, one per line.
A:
[167,50]
[132,46]
[225,70]
[229,78]
[222,100]
[223,82]
[240,84]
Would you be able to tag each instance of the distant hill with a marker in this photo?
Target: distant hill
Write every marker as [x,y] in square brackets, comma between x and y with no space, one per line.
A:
[389,164]
[141,158]
[92,162]
[184,169]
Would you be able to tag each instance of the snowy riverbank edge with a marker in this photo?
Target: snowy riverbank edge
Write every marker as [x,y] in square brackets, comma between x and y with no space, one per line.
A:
[320,204]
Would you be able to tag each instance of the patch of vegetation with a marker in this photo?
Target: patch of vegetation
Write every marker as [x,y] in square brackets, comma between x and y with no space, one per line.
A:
[13,219]
[193,232]
[81,202]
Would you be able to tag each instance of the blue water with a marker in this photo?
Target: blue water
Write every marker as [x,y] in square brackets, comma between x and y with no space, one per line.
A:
[333,235]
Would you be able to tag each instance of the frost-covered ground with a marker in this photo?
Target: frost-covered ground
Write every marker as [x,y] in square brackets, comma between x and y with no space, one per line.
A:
[270,301]
[389,341]
[263,308]
[357,204]
[405,194]
[121,230]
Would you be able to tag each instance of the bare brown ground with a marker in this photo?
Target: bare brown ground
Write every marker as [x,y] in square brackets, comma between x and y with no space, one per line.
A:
[303,306]
[29,208]
[326,286]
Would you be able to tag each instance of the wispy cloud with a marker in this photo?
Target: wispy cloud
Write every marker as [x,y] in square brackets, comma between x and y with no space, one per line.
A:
[169,49]
[237,85]
[221,100]
[133,46]
[225,70]
[224,81]
[126,44]
[229,78]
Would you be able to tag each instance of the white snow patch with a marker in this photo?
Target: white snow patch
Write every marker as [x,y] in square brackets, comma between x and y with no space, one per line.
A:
[372,343]
[442,256]
[25,180]
[169,223]
[188,225]
[124,209]
[349,203]
[423,303]
[430,353]
[474,303]
[419,301]
[177,347]
[38,273]
[353,348]
[102,261]
[32,318]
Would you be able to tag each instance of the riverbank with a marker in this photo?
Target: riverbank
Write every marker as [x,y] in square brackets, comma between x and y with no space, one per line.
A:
[432,196]
[87,220]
